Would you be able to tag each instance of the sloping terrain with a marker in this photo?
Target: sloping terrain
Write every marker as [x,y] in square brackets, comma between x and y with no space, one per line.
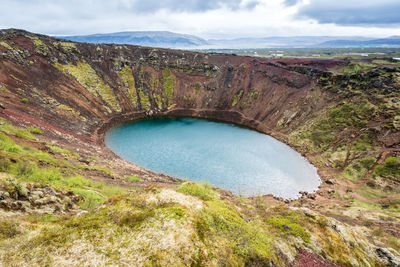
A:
[342,115]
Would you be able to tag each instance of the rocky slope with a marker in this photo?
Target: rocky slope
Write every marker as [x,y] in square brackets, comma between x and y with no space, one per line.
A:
[342,115]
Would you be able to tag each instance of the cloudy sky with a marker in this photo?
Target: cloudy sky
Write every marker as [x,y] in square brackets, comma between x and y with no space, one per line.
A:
[206,18]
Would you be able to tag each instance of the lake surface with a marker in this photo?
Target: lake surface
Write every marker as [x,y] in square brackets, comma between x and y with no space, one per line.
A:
[243,161]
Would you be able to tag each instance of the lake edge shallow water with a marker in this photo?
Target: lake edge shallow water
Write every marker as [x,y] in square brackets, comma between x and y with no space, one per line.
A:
[240,160]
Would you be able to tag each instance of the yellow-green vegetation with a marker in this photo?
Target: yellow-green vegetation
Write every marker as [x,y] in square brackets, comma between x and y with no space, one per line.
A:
[74,112]
[89,79]
[391,167]
[237,97]
[157,226]
[35,130]
[168,84]
[250,98]
[4,88]
[25,100]
[197,88]
[4,44]
[22,162]
[63,151]
[203,191]
[7,128]
[66,46]
[143,96]
[346,115]
[132,178]
[129,82]
[40,46]
[356,67]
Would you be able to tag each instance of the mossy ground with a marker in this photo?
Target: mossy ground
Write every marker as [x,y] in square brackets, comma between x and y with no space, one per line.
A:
[89,79]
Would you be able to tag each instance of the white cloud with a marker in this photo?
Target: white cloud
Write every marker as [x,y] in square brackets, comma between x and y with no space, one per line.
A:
[206,18]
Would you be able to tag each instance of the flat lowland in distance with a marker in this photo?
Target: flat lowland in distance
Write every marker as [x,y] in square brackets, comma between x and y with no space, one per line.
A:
[66,199]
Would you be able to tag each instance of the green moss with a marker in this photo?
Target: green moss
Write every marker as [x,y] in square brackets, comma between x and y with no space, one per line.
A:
[249,99]
[34,130]
[367,162]
[64,151]
[168,85]
[6,45]
[74,112]
[353,115]
[129,82]
[9,228]
[8,128]
[203,191]
[24,100]
[4,89]
[89,79]
[132,178]
[102,169]
[248,239]
[290,224]
[144,98]
[197,88]
[237,97]
[25,167]
[40,46]
[391,167]
[66,46]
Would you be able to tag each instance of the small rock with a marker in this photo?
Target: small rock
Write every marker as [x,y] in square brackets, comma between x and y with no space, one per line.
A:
[331,191]
[387,256]
[311,197]
[309,215]
[286,227]
[4,195]
[4,204]
[83,212]
[49,191]
[37,193]
[2,106]
[23,191]
[329,182]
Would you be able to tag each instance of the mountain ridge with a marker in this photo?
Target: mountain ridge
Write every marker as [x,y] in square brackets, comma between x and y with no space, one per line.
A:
[168,39]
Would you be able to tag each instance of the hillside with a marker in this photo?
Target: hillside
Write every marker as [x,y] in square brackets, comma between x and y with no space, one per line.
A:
[66,199]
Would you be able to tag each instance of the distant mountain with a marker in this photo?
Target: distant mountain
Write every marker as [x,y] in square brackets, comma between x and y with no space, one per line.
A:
[278,42]
[175,40]
[393,41]
[144,38]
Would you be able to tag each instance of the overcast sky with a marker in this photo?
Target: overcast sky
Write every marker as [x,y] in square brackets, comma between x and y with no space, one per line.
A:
[205,18]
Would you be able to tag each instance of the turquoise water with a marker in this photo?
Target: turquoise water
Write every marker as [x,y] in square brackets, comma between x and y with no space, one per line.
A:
[234,158]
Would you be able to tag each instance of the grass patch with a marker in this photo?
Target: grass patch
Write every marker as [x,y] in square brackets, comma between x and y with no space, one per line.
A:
[132,178]
[34,130]
[391,167]
[64,151]
[8,128]
[203,191]
[248,239]
[288,222]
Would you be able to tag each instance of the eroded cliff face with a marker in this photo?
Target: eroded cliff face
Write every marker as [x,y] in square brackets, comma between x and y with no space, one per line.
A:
[343,115]
[79,87]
